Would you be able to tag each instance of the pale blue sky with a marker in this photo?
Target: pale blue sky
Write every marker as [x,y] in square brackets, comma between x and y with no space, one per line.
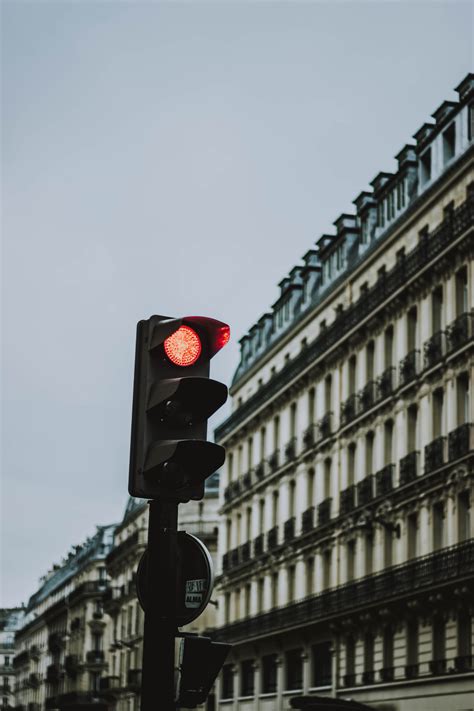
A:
[174,158]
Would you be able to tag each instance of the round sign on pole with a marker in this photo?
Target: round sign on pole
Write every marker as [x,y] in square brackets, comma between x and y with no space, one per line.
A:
[195,579]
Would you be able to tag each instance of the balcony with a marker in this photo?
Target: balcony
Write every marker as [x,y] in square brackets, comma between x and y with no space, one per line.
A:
[95,657]
[409,468]
[274,460]
[384,480]
[325,425]
[307,520]
[349,679]
[109,683]
[134,679]
[310,436]
[387,674]
[411,671]
[247,480]
[349,409]
[290,450]
[386,383]
[21,659]
[409,367]
[272,538]
[459,332]
[347,500]
[438,666]
[367,396]
[464,663]
[368,677]
[53,673]
[365,490]
[245,552]
[434,454]
[225,561]
[289,529]
[260,470]
[234,557]
[460,441]
[434,350]
[324,511]
[258,545]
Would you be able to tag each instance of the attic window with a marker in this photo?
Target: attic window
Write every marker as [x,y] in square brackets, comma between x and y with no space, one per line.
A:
[401,194]
[470,122]
[449,142]
[425,167]
[365,231]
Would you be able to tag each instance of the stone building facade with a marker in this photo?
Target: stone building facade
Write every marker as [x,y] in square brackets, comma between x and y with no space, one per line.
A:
[10,620]
[60,653]
[346,552]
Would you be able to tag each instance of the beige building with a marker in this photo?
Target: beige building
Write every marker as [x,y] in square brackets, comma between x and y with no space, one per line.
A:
[346,553]
[125,631]
[60,656]
[10,620]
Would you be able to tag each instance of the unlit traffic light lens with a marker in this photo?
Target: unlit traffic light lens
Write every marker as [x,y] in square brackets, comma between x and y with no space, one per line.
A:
[183,347]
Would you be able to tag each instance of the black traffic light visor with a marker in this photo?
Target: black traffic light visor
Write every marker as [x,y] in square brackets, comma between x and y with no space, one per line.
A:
[192,398]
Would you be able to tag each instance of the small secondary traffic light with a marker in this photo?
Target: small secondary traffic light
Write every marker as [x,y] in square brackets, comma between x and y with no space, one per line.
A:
[199,664]
[173,397]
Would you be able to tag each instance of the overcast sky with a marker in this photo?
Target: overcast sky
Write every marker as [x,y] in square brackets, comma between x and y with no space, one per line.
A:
[172,158]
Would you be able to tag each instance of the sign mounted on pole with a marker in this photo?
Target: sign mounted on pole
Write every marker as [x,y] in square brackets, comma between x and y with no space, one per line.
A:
[195,579]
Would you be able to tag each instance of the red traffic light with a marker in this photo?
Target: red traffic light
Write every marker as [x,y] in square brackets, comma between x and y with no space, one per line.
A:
[183,347]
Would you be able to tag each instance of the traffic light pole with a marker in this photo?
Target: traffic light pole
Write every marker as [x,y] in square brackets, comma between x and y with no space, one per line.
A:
[160,630]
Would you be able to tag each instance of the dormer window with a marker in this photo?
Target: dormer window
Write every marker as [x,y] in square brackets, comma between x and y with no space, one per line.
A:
[286,310]
[449,142]
[401,194]
[425,167]
[380,214]
[365,231]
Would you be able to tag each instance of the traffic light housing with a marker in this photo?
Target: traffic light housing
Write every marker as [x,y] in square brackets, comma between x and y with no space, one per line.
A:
[173,397]
[200,661]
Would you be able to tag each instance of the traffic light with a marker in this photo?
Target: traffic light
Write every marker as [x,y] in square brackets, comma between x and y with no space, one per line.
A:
[200,661]
[173,397]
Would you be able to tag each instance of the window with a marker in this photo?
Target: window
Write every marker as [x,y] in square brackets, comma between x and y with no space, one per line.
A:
[412,642]
[380,214]
[387,647]
[239,460]
[293,412]
[263,436]
[327,393]
[291,583]
[449,142]
[464,516]
[461,291]
[470,122]
[438,402]
[388,442]
[388,347]
[292,502]
[269,673]
[311,404]
[351,550]
[227,688]
[369,553]
[260,594]
[310,488]
[352,374]
[275,502]
[437,310]
[368,652]
[412,526]
[438,631]
[351,455]
[327,560]
[247,678]
[239,529]
[401,194]
[294,669]
[412,422]
[275,589]
[462,396]
[464,634]
[248,525]
[321,664]
[369,453]
[261,517]
[412,324]
[438,526]
[309,575]
[327,478]
[237,603]
[365,231]
[249,453]
[350,656]
[369,364]
[387,547]
[276,432]
[425,167]
[230,463]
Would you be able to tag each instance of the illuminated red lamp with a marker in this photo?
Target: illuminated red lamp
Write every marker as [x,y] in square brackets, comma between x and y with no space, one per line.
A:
[222,336]
[183,347]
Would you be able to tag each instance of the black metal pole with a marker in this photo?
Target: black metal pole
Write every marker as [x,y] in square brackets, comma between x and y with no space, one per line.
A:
[160,613]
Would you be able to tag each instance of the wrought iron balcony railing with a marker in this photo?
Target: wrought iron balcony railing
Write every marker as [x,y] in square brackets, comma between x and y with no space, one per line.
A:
[464,663]
[384,480]
[434,454]
[260,469]
[409,367]
[349,679]
[290,449]
[258,545]
[95,656]
[387,673]
[434,349]
[274,460]
[460,441]
[347,500]
[307,520]
[272,538]
[234,557]
[438,666]
[310,436]
[386,383]
[422,575]
[324,511]
[289,529]
[368,677]
[225,561]
[325,425]
[409,467]
[245,552]
[349,409]
[367,397]
[411,671]
[459,332]
[247,480]
[365,490]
